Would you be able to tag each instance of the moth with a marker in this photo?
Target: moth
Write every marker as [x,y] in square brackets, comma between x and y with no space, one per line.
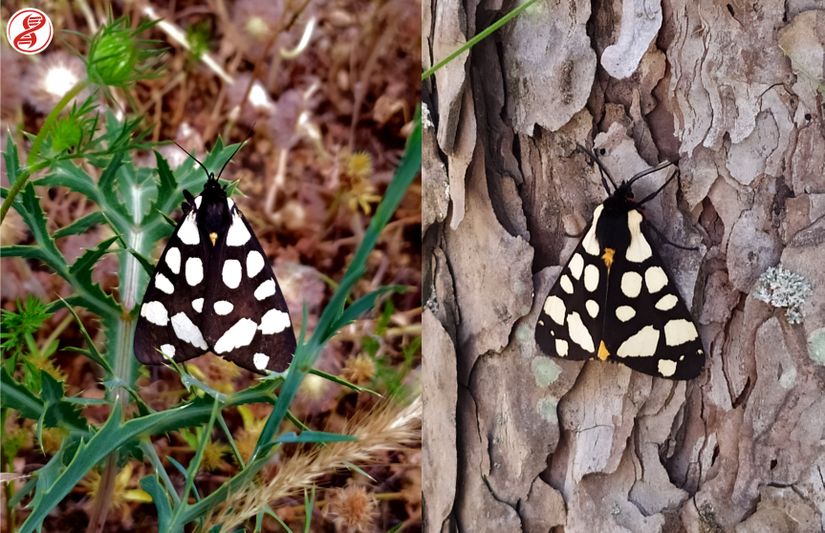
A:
[213,289]
[614,300]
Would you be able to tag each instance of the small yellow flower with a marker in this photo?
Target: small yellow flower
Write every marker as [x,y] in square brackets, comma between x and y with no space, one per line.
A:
[359,369]
[213,455]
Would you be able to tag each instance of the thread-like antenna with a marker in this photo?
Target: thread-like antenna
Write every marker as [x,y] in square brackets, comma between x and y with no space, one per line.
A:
[240,145]
[602,170]
[660,166]
[209,175]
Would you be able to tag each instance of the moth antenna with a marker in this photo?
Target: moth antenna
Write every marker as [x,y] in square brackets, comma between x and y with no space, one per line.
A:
[651,170]
[208,174]
[602,170]
[657,191]
[241,145]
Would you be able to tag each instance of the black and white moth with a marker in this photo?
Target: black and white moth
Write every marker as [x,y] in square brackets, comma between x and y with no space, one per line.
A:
[614,299]
[213,289]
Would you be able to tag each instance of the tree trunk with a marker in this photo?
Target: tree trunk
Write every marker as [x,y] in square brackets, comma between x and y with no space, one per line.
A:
[516,440]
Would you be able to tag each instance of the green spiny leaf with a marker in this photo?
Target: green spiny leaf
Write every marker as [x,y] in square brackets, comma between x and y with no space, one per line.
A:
[81,225]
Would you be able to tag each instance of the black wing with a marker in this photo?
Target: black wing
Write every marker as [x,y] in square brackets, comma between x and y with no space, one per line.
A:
[570,323]
[648,326]
[245,318]
[169,322]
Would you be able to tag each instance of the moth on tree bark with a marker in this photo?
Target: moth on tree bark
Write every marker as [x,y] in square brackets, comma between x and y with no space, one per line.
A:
[733,91]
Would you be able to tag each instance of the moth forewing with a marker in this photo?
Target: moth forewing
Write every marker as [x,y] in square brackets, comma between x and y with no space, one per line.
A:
[213,289]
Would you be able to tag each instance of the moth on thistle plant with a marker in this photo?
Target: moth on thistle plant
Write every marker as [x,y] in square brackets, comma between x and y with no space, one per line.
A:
[614,300]
[213,289]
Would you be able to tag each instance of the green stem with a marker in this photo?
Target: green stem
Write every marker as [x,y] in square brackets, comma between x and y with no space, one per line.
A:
[34,153]
[478,38]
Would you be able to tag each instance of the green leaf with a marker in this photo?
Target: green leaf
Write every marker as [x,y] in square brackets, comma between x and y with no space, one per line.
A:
[314,436]
[81,225]
[18,397]
[362,305]
[92,353]
[91,293]
[69,175]
[152,486]
[11,160]
[307,353]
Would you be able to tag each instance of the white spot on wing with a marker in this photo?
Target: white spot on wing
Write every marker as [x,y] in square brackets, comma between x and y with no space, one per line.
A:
[163,284]
[265,290]
[639,249]
[237,235]
[680,331]
[667,367]
[198,200]
[173,260]
[642,344]
[274,321]
[187,331]
[591,277]
[231,273]
[222,307]
[590,242]
[578,332]
[555,309]
[655,279]
[260,360]
[576,265]
[240,334]
[561,347]
[167,350]
[566,284]
[254,263]
[625,313]
[592,308]
[631,284]
[155,312]
[188,232]
[197,304]
[194,271]
[666,302]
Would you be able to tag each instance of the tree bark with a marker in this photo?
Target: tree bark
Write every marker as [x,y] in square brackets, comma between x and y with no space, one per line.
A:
[516,440]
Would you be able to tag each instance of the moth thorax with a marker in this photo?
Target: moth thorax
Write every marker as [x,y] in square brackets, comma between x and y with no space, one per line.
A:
[612,232]
[214,218]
